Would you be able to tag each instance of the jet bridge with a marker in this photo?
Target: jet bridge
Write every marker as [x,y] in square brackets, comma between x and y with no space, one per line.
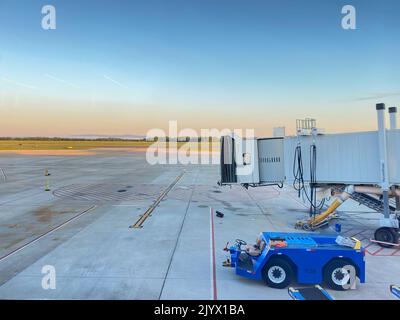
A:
[366,160]
[344,158]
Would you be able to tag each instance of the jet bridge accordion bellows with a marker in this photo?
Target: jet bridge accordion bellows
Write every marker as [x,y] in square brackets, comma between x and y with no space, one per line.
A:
[228,166]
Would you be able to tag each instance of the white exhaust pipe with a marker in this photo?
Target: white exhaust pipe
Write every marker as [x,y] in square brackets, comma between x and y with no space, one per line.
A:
[393,118]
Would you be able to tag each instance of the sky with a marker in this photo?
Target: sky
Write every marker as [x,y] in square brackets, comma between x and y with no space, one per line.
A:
[125,67]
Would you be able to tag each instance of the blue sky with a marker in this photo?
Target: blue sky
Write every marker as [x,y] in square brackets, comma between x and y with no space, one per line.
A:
[118,67]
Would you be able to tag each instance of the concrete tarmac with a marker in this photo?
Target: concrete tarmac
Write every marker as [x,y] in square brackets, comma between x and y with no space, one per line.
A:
[81,228]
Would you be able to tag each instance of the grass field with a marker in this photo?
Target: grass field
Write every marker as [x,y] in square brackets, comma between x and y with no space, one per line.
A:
[74,144]
[67,144]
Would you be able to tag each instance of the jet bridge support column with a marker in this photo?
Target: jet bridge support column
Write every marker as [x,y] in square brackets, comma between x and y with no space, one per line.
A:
[380,108]
[388,233]
[393,126]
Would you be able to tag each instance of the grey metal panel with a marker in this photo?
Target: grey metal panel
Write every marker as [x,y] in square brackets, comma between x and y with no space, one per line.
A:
[246,173]
[350,158]
[271,160]
[393,137]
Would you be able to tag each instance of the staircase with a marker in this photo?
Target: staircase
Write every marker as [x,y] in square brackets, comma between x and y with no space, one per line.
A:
[372,202]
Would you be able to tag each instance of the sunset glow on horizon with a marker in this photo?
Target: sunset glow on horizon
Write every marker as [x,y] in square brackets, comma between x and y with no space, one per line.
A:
[125,67]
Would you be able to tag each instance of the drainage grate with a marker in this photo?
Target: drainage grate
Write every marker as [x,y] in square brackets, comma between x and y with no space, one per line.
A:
[142,219]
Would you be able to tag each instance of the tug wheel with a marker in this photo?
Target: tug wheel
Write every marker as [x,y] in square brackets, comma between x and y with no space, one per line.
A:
[386,234]
[278,273]
[336,276]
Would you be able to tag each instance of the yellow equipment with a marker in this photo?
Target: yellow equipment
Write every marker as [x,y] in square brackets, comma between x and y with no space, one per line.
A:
[318,220]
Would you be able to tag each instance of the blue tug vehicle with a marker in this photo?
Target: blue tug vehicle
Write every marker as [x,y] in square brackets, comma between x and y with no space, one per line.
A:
[282,258]
[395,290]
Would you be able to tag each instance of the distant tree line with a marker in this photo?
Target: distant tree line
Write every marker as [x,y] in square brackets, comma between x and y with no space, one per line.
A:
[67,139]
[180,139]
[183,139]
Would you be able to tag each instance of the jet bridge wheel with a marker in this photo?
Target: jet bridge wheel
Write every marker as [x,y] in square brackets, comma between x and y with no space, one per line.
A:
[386,234]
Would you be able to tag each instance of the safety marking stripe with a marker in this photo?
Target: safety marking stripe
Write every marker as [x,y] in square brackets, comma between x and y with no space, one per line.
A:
[96,192]
[46,233]
[375,250]
[395,252]
[212,256]
[3,174]
[370,244]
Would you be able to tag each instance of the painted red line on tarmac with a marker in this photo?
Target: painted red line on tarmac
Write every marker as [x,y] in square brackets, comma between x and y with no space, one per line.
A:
[377,251]
[395,251]
[367,251]
[213,266]
[370,244]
